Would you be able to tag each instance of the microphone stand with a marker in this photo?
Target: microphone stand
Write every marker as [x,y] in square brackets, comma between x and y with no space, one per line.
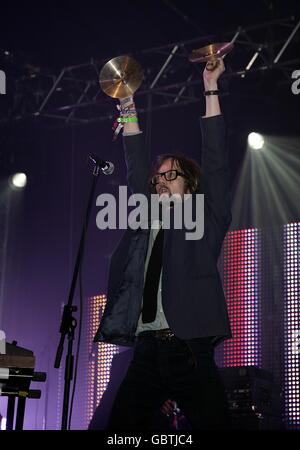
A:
[68,322]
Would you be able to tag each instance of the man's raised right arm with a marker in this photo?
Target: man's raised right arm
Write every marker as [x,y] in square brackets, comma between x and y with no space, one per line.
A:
[136,155]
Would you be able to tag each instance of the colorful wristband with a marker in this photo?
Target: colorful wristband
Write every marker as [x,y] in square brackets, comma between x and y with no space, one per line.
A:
[127,119]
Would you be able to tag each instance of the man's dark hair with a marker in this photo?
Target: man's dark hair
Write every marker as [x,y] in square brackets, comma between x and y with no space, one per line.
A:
[190,168]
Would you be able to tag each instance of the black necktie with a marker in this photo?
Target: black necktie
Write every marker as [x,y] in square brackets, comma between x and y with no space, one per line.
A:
[152,279]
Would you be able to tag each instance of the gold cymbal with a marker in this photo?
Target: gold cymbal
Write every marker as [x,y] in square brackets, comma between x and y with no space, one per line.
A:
[121,77]
[210,52]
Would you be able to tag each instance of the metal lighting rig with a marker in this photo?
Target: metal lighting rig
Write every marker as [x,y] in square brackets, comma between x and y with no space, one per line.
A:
[73,96]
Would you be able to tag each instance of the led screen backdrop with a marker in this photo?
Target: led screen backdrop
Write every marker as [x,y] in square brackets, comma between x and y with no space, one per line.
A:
[241,282]
[98,358]
[291,241]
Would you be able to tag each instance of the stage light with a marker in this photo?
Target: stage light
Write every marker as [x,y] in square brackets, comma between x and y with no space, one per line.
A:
[2,423]
[256,141]
[19,180]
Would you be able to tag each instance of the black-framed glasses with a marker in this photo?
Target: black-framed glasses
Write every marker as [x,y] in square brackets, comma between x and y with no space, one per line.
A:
[169,175]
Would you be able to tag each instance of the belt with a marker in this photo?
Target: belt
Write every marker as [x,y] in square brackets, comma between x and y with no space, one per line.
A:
[165,334]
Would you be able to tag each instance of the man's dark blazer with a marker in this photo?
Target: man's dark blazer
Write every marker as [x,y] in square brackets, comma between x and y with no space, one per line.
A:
[192,294]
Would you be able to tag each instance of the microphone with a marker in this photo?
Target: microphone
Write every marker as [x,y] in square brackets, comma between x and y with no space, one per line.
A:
[107,167]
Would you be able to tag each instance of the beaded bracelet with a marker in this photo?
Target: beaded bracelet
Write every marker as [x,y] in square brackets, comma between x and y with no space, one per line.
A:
[126,103]
[126,100]
[128,110]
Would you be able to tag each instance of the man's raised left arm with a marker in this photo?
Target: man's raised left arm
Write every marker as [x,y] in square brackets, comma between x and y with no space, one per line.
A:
[215,165]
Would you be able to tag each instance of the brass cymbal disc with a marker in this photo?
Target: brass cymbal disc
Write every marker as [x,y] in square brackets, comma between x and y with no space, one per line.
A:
[121,76]
[210,52]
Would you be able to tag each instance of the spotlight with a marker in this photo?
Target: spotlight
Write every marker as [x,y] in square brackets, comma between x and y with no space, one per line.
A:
[256,141]
[19,180]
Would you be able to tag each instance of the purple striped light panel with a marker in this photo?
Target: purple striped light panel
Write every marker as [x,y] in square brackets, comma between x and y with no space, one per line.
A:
[291,242]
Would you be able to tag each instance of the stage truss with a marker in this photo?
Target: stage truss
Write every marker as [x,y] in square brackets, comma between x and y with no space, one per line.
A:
[73,96]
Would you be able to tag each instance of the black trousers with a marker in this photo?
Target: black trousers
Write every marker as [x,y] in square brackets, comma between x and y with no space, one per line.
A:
[184,371]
